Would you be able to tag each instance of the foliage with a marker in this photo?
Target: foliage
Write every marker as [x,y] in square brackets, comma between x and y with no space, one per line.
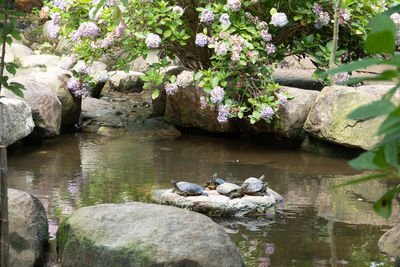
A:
[8,31]
[229,46]
[384,157]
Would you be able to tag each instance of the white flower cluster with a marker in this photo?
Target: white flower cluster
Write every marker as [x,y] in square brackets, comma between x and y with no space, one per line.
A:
[87,29]
[54,27]
[234,5]
[238,43]
[184,79]
[201,40]
[223,113]
[66,63]
[279,19]
[171,88]
[341,77]
[267,112]
[207,16]
[102,76]
[153,41]
[282,99]
[178,9]
[217,94]
[80,67]
[323,16]
[221,48]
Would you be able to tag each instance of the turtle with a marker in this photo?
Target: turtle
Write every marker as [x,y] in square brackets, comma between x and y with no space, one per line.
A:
[213,182]
[187,189]
[232,190]
[256,186]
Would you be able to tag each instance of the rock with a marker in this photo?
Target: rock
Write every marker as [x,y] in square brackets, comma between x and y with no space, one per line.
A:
[126,82]
[39,61]
[219,205]
[46,108]
[97,113]
[291,116]
[64,46]
[328,120]
[56,79]
[142,65]
[140,234]
[300,78]
[15,120]
[28,229]
[184,110]
[389,243]
[27,5]
[19,51]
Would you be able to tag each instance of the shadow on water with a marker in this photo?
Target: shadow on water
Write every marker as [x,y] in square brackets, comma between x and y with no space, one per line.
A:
[320,225]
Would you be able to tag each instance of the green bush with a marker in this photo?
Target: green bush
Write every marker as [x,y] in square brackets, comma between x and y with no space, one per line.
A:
[228,46]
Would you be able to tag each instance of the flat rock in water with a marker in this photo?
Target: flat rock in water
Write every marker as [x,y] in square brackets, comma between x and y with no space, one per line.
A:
[220,205]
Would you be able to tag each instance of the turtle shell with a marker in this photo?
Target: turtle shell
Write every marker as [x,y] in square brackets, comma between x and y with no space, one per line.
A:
[190,188]
[254,185]
[226,188]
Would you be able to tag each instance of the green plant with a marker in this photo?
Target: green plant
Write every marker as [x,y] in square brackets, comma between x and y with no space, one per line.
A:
[383,159]
[8,30]
[228,46]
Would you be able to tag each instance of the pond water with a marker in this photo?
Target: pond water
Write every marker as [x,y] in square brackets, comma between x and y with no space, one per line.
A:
[318,226]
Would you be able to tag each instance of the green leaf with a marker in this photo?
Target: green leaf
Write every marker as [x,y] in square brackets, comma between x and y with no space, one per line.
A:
[273,11]
[380,161]
[207,89]
[145,78]
[363,63]
[214,82]
[140,35]
[382,37]
[116,15]
[198,76]
[167,33]
[155,94]
[391,153]
[240,114]
[364,161]
[11,70]
[363,179]
[374,109]
[391,124]
[99,5]
[384,205]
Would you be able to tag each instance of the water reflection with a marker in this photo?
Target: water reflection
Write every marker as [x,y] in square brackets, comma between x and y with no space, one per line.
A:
[320,226]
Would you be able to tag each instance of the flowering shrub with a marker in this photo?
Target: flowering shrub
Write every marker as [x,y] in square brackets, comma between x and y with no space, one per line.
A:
[228,46]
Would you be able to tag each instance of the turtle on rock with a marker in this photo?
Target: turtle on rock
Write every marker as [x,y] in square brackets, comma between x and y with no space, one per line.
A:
[232,190]
[256,186]
[187,189]
[213,182]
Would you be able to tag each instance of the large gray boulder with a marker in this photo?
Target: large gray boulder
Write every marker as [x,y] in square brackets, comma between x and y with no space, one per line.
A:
[56,79]
[46,108]
[291,119]
[15,120]
[184,110]
[140,234]
[39,61]
[328,120]
[126,82]
[28,229]
[18,51]
[389,243]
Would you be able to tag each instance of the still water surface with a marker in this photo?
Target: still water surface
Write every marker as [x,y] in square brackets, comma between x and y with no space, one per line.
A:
[318,226]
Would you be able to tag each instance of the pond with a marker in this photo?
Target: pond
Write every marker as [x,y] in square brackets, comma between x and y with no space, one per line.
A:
[319,225]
